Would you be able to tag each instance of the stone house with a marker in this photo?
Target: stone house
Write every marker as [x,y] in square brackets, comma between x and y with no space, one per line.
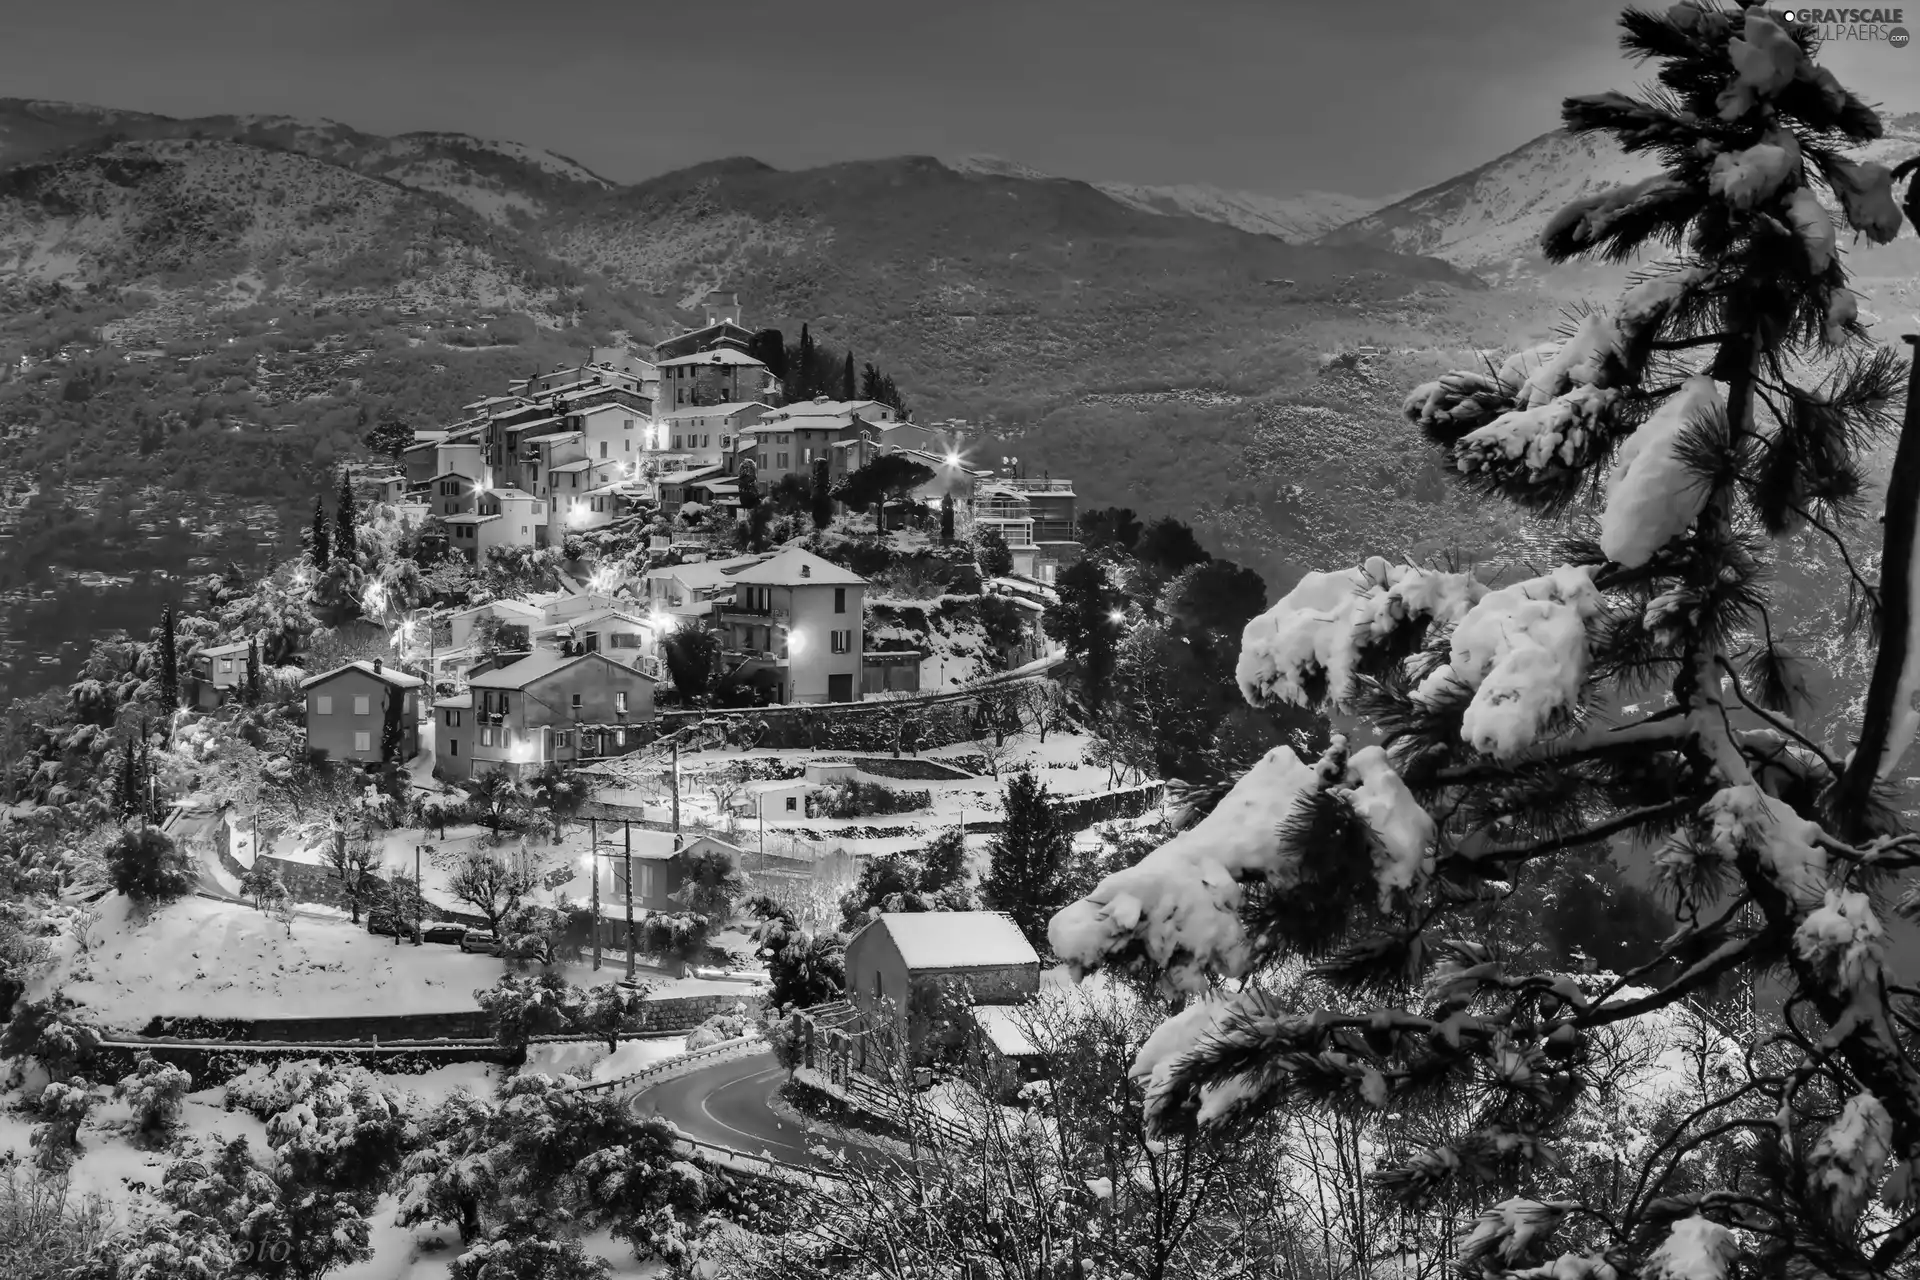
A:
[897,961]
[793,628]
[221,670]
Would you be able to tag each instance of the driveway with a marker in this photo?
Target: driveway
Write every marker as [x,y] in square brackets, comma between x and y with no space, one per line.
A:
[730,1104]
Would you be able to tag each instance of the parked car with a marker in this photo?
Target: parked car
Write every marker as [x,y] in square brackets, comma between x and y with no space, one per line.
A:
[387,925]
[482,940]
[453,933]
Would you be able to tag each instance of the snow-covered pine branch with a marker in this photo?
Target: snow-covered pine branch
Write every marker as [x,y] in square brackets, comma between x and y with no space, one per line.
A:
[1724,403]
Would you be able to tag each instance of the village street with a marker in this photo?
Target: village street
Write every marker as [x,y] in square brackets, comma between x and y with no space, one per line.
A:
[730,1104]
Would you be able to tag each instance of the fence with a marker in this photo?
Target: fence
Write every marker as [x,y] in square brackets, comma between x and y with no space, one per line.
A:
[723,1052]
[773,1168]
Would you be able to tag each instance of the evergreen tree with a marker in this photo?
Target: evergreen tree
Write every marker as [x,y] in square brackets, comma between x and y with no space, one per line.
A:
[946,520]
[1028,872]
[169,660]
[871,385]
[769,347]
[127,788]
[846,379]
[320,543]
[804,368]
[1719,412]
[993,553]
[749,483]
[345,541]
[890,395]
[253,672]
[393,726]
[1081,621]
[822,494]
[145,865]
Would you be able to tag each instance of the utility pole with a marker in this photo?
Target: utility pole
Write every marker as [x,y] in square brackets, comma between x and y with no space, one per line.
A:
[676,792]
[629,856]
[593,853]
[419,896]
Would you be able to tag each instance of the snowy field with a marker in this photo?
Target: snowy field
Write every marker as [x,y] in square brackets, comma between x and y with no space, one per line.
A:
[198,957]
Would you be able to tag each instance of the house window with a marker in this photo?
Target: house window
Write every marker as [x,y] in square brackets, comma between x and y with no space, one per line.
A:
[620,702]
[705,441]
[839,599]
[793,803]
[629,442]
[806,457]
[226,666]
[576,702]
[619,737]
[842,641]
[624,640]
[453,719]
[725,441]
[603,448]
[783,462]
[362,741]
[486,737]
[500,703]
[561,739]
[453,746]
[646,881]
[676,442]
[323,705]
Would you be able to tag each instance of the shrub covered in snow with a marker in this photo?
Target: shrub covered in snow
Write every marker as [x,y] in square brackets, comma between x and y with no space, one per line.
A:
[718,1029]
[156,1094]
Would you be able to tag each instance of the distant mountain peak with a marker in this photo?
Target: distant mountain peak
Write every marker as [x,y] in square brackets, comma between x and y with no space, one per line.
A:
[1294,218]
[992,166]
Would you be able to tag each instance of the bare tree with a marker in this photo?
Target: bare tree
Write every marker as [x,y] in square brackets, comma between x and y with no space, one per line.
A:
[355,862]
[493,884]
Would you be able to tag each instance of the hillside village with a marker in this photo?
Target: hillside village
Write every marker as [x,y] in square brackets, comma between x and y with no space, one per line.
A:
[677,812]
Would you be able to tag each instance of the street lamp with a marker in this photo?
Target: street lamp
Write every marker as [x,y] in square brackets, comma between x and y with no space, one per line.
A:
[1116,617]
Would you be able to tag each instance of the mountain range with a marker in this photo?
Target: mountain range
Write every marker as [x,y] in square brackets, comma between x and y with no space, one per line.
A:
[1166,346]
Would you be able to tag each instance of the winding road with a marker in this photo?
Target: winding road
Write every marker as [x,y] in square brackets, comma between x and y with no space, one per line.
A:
[730,1104]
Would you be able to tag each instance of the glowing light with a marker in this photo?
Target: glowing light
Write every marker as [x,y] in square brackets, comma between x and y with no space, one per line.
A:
[953,459]
[661,619]
[797,642]
[373,601]
[1116,617]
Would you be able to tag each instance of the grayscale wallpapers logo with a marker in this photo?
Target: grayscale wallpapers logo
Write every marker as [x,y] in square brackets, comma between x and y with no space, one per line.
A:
[1855,24]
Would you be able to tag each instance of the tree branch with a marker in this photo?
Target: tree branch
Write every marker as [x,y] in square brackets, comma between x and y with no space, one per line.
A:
[1613,826]
[1897,610]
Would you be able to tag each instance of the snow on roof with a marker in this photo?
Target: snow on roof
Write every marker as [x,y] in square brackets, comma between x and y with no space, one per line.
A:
[537,666]
[808,422]
[705,573]
[238,646]
[956,939]
[618,486]
[529,423]
[798,567]
[1003,1027]
[601,615]
[719,355]
[552,437]
[520,606]
[832,408]
[399,679]
[460,702]
[716,410]
[510,494]
[683,477]
[580,464]
[468,518]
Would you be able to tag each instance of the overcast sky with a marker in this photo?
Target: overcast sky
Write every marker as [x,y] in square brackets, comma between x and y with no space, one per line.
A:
[1274,96]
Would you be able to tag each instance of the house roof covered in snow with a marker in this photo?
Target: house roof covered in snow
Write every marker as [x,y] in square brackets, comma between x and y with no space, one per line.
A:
[552,437]
[578,464]
[956,939]
[468,518]
[538,666]
[718,355]
[831,408]
[798,567]
[705,573]
[1002,1025]
[684,477]
[714,410]
[221,650]
[398,679]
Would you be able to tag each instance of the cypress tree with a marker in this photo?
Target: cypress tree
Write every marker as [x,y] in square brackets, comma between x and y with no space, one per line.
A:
[169,660]
[946,521]
[846,379]
[390,729]
[822,494]
[345,541]
[871,386]
[320,548]
[253,672]
[803,373]
[128,789]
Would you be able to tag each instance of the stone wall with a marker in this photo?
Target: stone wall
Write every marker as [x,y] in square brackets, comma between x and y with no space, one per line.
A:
[307,882]
[212,1065]
[670,1013]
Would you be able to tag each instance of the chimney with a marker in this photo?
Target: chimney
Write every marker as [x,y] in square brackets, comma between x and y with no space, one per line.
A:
[376,666]
[820,400]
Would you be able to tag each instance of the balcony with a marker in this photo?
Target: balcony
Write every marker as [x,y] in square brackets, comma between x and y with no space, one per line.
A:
[1036,486]
[756,658]
[749,613]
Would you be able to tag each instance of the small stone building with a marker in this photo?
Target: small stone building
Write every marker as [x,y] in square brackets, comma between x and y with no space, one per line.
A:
[900,954]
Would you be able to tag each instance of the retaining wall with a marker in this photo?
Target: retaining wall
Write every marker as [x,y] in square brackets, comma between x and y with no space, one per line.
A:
[309,883]
[670,1013]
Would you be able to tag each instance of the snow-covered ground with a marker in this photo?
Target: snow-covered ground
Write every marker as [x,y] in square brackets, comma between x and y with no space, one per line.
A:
[199,957]
[590,1060]
[110,1167]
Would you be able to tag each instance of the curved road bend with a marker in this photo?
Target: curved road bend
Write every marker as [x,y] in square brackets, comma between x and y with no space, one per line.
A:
[729,1103]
